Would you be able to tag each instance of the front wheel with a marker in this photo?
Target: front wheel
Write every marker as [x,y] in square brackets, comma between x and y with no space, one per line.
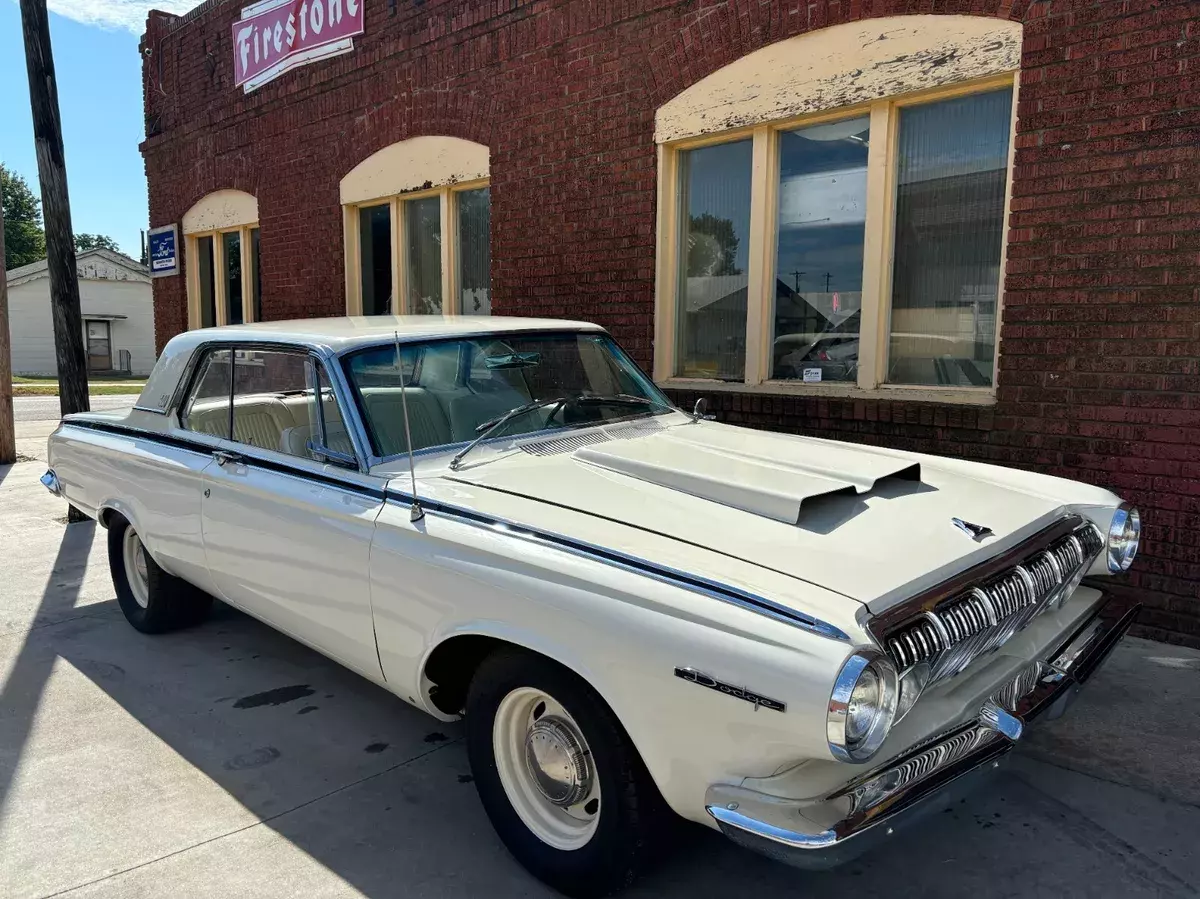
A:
[153,601]
[558,777]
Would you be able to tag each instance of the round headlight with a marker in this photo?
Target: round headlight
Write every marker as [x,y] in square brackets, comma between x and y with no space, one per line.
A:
[1123,536]
[862,707]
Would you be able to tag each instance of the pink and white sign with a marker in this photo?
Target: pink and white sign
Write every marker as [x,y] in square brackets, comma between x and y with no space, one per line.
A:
[275,36]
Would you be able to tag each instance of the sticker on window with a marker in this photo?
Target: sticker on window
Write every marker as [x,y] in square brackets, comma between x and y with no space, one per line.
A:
[812,375]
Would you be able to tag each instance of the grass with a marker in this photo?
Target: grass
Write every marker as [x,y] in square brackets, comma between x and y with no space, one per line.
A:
[42,388]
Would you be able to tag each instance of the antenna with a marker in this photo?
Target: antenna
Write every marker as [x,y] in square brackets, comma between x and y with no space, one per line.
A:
[416,513]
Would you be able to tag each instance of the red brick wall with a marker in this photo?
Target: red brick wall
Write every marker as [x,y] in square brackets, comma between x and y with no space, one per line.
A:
[1100,357]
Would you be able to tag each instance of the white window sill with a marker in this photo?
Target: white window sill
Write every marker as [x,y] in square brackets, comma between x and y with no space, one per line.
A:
[963,396]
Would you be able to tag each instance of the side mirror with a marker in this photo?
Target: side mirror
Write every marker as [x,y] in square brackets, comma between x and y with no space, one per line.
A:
[700,410]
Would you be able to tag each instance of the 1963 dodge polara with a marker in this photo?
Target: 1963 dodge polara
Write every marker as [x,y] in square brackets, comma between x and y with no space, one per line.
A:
[799,642]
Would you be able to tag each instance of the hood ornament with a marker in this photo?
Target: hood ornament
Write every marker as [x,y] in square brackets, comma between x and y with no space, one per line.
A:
[974,531]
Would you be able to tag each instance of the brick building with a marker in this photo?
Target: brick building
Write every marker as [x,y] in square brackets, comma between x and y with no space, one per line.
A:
[965,227]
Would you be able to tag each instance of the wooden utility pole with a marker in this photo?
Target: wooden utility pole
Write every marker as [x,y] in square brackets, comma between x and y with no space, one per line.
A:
[56,209]
[8,438]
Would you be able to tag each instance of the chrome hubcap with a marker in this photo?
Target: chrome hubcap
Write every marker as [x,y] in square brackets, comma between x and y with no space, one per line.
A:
[546,768]
[557,761]
[135,567]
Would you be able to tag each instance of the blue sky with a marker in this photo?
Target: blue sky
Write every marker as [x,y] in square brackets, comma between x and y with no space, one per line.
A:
[100,99]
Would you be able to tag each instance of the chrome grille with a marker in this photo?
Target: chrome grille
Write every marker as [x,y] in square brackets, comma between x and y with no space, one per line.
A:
[960,629]
[916,767]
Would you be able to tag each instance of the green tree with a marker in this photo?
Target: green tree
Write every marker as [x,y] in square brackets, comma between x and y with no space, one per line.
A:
[24,239]
[712,246]
[84,242]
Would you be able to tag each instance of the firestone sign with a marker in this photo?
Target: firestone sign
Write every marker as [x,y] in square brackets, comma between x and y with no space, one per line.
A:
[276,36]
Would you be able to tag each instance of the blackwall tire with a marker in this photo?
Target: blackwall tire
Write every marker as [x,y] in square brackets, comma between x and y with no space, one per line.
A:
[553,841]
[153,601]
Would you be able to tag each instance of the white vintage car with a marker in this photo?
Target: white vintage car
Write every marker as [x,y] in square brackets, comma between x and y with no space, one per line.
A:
[797,641]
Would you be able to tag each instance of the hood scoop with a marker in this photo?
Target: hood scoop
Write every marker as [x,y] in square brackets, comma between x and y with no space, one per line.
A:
[773,488]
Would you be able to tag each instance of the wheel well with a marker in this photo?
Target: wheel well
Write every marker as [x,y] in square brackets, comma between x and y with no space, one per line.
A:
[451,666]
[106,517]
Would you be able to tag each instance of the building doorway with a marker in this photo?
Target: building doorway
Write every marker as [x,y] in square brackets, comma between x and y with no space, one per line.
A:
[99,346]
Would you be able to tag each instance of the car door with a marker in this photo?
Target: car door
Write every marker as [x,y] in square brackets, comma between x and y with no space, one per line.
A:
[288,520]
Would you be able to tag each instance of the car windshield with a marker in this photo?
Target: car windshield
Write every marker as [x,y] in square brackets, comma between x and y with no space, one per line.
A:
[458,389]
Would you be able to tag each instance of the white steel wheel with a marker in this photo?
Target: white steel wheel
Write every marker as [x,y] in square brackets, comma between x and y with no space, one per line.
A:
[546,768]
[134,555]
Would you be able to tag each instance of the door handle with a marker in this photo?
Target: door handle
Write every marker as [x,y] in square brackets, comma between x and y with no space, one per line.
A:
[224,457]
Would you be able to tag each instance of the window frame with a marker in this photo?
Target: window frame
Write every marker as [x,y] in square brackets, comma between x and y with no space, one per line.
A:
[190,381]
[248,278]
[399,244]
[878,251]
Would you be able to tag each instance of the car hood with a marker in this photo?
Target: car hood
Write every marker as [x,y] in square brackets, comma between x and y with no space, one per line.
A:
[871,524]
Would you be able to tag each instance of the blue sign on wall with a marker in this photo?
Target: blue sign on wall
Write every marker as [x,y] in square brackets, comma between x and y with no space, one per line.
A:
[163,251]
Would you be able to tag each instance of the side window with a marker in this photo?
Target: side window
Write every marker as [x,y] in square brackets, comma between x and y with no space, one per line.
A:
[325,417]
[207,407]
[270,400]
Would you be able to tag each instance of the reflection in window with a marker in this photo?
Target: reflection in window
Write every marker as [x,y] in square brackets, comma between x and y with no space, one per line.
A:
[474,251]
[423,223]
[375,255]
[952,164]
[713,251]
[819,264]
[208,289]
[231,261]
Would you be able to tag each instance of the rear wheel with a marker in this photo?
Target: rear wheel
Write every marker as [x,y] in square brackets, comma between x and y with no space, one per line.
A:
[559,778]
[153,601]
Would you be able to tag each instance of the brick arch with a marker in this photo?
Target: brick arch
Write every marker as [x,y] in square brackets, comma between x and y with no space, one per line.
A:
[716,37]
[446,110]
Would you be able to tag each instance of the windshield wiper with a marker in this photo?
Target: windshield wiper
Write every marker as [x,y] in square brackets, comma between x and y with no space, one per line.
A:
[494,424]
[590,399]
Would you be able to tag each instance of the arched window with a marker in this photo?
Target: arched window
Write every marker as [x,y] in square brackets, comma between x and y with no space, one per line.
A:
[832,212]
[417,221]
[221,236]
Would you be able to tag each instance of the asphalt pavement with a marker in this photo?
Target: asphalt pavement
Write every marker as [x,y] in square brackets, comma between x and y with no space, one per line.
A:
[229,760]
[46,408]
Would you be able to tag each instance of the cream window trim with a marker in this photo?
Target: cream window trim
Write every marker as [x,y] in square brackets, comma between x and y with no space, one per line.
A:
[878,246]
[214,215]
[221,310]
[351,224]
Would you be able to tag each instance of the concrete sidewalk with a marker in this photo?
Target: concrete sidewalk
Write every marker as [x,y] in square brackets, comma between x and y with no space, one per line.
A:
[231,761]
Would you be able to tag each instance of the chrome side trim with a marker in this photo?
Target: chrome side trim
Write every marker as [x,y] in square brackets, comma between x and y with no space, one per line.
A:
[696,584]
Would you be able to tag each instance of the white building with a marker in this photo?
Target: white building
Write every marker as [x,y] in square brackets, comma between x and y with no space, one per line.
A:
[118,315]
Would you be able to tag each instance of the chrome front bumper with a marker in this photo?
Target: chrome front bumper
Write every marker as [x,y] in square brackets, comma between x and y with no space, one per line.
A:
[930,776]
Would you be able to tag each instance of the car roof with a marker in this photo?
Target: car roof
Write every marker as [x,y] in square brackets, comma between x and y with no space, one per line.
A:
[347,332]
[336,335]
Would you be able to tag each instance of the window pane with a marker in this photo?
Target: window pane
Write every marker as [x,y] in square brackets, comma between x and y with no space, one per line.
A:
[232,251]
[953,159]
[453,387]
[271,400]
[474,251]
[423,221]
[204,272]
[713,249]
[207,409]
[819,264]
[255,275]
[375,253]
[336,436]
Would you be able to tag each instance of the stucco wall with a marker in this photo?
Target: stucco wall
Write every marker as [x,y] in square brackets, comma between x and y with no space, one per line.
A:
[32,329]
[1099,375]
